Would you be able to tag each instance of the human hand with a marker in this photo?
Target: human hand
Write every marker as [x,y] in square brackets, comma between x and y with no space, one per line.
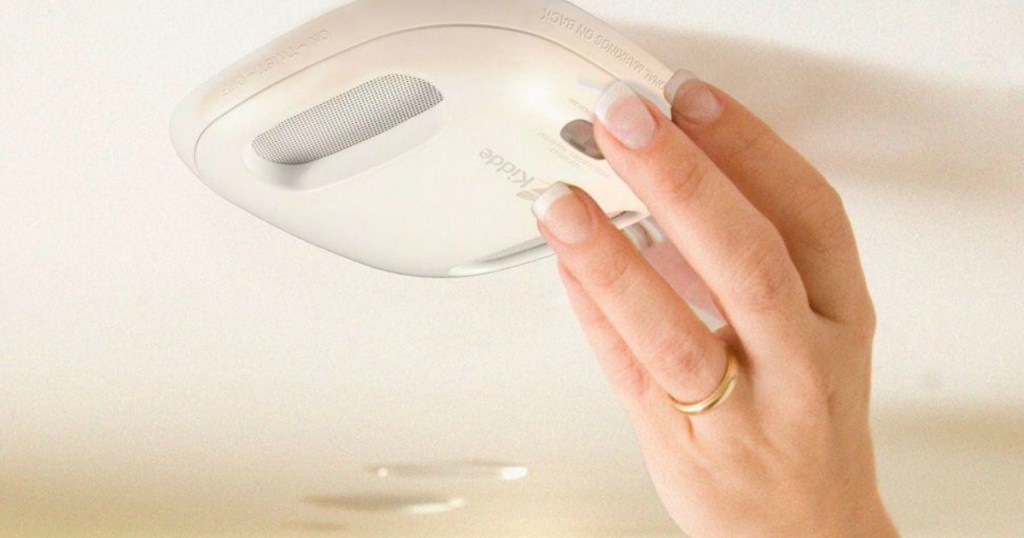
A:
[789,453]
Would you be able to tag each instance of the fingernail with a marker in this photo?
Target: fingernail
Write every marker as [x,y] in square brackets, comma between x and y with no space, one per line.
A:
[564,214]
[693,98]
[622,111]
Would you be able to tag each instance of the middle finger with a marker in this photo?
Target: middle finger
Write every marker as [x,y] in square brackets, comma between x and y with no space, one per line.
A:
[736,250]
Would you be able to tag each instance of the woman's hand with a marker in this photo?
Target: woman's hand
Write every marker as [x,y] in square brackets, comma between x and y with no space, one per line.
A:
[768,246]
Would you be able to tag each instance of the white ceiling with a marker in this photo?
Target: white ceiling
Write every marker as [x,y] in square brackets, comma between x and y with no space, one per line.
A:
[171,366]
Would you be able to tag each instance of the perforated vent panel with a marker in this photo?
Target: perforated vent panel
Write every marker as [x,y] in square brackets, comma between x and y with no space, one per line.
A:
[364,112]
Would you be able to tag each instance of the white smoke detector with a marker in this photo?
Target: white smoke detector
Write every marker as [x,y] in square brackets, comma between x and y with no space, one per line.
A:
[413,136]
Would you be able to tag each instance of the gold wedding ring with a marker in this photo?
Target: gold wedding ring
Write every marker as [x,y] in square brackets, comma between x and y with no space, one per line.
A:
[717,397]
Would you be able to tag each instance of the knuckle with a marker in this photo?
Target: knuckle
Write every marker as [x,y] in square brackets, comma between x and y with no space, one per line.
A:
[675,359]
[754,146]
[870,319]
[610,273]
[764,278]
[823,213]
[865,323]
[684,180]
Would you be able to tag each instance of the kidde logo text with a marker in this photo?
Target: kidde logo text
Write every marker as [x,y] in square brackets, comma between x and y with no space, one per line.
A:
[529,188]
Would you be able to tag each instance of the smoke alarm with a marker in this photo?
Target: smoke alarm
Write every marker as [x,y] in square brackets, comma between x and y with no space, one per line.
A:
[413,136]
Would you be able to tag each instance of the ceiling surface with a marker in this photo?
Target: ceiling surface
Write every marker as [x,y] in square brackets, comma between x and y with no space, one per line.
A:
[172,366]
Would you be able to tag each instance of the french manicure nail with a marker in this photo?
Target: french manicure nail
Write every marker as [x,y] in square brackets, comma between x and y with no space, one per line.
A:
[564,214]
[678,80]
[622,111]
[693,98]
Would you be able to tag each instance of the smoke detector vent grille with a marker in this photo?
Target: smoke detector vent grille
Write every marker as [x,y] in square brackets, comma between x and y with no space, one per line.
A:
[364,112]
